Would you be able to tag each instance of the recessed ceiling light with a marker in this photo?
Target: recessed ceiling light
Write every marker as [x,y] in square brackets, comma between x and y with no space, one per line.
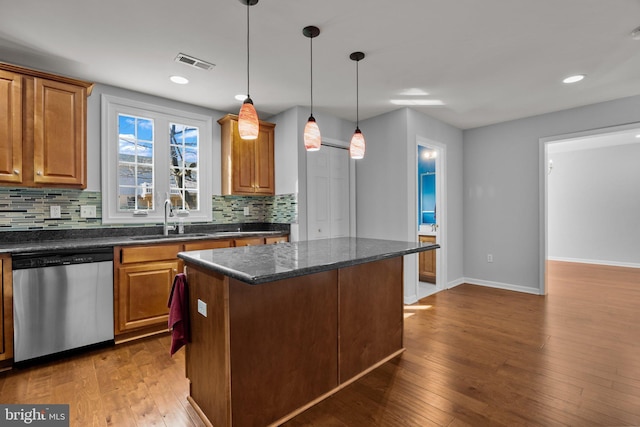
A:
[241,97]
[414,91]
[417,102]
[638,135]
[179,80]
[573,79]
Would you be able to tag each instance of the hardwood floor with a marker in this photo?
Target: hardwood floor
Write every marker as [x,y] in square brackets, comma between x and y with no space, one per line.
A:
[475,357]
[133,384]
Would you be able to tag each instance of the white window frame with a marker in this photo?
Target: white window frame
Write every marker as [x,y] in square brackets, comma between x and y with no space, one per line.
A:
[112,106]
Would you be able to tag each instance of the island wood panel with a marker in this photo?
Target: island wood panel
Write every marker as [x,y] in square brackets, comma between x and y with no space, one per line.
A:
[371,319]
[207,354]
[284,339]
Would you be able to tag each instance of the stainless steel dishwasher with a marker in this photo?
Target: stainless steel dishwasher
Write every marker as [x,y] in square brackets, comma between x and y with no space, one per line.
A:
[62,300]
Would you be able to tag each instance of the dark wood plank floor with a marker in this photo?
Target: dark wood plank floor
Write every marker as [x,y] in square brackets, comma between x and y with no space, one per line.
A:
[475,356]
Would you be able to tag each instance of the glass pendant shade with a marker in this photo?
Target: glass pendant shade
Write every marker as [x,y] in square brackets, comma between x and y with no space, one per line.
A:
[312,138]
[357,145]
[248,124]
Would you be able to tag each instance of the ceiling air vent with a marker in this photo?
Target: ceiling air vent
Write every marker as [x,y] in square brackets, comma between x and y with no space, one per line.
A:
[194,62]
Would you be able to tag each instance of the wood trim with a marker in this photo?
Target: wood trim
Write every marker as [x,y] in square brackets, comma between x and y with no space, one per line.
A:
[6,288]
[44,75]
[335,390]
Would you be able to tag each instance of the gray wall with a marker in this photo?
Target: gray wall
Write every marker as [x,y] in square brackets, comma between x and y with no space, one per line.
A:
[502,191]
[594,205]
[387,185]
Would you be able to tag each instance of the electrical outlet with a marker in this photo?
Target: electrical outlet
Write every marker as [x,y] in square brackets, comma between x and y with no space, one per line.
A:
[87,211]
[246,210]
[489,257]
[55,212]
[202,307]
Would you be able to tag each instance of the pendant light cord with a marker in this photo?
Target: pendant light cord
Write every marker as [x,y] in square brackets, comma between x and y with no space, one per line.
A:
[357,96]
[311,44]
[248,6]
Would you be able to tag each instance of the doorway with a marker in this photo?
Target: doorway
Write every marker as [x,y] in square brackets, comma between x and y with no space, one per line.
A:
[430,215]
[587,208]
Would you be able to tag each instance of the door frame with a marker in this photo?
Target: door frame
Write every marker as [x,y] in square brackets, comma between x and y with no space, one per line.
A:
[441,204]
[543,160]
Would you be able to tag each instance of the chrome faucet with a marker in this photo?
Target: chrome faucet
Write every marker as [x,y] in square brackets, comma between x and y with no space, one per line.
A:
[168,211]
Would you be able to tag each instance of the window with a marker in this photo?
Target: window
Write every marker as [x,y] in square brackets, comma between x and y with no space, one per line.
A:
[152,153]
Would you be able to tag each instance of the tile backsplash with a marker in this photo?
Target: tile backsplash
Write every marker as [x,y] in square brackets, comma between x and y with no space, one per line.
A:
[29,209]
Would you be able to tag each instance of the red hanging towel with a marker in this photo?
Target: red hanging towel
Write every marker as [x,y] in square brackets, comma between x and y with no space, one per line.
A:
[179,312]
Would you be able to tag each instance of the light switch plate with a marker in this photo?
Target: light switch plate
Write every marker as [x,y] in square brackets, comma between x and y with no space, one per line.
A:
[202,307]
[246,210]
[87,211]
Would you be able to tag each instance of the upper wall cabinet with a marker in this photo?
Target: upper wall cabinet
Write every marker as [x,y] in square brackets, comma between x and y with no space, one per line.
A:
[247,166]
[43,135]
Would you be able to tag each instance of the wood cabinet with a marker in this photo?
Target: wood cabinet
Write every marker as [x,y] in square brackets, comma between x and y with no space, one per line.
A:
[6,311]
[247,165]
[42,129]
[427,262]
[143,277]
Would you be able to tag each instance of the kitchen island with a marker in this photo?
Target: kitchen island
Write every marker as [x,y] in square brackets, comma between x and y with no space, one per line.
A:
[275,329]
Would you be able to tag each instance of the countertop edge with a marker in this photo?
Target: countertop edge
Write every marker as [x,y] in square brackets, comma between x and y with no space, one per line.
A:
[95,242]
[257,280]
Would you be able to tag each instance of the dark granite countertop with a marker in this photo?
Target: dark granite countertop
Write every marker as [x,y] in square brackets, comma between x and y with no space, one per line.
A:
[262,264]
[43,241]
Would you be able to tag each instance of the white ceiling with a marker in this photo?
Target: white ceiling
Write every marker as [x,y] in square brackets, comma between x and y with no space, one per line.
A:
[488,60]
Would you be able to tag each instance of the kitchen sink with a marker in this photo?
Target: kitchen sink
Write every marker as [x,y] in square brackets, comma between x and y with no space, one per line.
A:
[170,236]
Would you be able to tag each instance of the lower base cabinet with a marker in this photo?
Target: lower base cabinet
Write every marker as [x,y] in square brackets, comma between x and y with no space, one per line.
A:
[427,262]
[143,279]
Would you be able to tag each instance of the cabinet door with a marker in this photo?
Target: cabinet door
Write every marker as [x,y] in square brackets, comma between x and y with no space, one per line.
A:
[264,160]
[6,309]
[143,294]
[243,158]
[10,127]
[427,262]
[59,133]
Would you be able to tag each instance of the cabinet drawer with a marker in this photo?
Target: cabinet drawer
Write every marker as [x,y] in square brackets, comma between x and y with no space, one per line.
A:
[149,253]
[250,241]
[207,244]
[276,239]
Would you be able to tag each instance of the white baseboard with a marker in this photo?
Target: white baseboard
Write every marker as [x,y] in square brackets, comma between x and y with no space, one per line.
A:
[595,261]
[459,281]
[505,286]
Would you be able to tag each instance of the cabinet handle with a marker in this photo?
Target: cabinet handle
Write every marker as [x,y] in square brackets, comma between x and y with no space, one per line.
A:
[16,172]
[39,173]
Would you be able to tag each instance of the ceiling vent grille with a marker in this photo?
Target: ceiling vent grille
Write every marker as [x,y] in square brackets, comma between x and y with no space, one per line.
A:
[194,62]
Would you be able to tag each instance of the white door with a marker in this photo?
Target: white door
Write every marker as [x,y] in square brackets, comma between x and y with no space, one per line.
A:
[328,193]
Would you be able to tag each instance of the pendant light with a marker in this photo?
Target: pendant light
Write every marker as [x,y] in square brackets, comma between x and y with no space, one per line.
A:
[312,138]
[248,123]
[357,145]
